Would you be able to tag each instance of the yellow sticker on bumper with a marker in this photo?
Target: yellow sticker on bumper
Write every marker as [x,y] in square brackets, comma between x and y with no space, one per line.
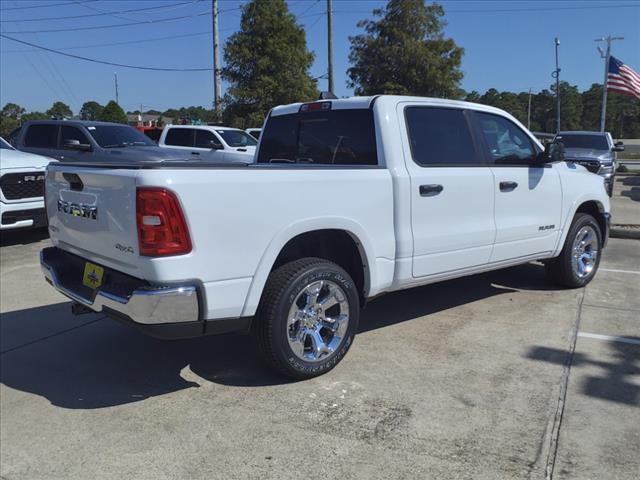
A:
[93,274]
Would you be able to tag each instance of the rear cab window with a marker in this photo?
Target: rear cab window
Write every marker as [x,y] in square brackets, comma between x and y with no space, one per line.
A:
[320,137]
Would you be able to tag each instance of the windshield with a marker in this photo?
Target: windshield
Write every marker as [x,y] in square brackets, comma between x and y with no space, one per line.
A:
[110,136]
[237,138]
[4,145]
[592,142]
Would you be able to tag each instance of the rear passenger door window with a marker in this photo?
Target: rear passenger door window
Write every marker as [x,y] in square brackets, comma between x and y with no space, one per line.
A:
[180,137]
[506,144]
[440,137]
[41,136]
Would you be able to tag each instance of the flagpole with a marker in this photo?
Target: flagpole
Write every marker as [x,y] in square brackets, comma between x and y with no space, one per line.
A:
[607,57]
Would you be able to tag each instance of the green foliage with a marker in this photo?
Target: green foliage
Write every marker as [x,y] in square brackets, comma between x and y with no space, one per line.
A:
[91,110]
[34,116]
[201,114]
[59,110]
[112,112]
[578,111]
[405,53]
[267,63]
[10,118]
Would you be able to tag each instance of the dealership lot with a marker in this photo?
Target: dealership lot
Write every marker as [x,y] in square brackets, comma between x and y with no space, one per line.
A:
[472,378]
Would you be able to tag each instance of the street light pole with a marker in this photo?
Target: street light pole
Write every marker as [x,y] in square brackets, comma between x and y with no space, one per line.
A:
[556,74]
[607,56]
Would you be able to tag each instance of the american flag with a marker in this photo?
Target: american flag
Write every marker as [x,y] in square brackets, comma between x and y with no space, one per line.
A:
[622,78]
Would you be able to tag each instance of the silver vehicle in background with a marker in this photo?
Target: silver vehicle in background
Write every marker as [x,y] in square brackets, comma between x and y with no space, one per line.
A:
[595,151]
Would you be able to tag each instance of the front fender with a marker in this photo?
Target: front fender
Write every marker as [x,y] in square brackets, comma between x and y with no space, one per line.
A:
[603,207]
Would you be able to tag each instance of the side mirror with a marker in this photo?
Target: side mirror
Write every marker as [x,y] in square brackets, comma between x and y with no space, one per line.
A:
[76,145]
[215,145]
[553,152]
[618,147]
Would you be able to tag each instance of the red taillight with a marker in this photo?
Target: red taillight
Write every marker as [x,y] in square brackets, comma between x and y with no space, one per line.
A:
[162,229]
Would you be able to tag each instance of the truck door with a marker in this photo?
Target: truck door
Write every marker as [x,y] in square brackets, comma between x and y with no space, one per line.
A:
[452,194]
[208,146]
[528,197]
[42,139]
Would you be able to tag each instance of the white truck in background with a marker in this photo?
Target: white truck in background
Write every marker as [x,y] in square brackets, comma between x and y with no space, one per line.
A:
[21,188]
[209,143]
[347,199]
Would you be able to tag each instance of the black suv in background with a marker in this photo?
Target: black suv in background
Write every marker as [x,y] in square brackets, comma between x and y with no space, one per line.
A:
[593,150]
[75,140]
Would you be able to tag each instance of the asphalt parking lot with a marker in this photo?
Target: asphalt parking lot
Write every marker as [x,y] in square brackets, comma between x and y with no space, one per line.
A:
[499,375]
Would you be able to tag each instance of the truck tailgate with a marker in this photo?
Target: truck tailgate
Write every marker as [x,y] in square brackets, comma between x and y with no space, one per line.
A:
[92,212]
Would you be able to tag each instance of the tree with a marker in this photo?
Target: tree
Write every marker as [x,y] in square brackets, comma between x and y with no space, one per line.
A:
[34,116]
[267,63]
[59,110]
[10,116]
[112,112]
[405,53]
[91,110]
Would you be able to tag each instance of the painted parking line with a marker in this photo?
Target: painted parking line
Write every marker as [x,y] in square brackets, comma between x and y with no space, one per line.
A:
[609,338]
[613,270]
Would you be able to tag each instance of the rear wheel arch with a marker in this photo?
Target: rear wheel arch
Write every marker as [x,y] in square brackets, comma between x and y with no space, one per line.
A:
[336,245]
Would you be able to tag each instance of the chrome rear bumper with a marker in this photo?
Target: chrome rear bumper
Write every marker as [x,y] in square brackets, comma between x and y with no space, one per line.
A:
[148,306]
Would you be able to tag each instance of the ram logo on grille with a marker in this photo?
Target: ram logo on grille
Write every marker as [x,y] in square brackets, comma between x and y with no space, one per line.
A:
[33,178]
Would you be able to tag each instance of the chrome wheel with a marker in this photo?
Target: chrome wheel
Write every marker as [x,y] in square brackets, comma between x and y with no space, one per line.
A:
[584,254]
[318,321]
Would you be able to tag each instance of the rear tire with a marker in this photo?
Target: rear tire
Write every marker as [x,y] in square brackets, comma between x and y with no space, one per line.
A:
[307,317]
[580,257]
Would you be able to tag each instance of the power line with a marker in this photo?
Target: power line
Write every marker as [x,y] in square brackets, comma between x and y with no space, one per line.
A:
[128,42]
[46,5]
[102,13]
[115,15]
[137,67]
[144,22]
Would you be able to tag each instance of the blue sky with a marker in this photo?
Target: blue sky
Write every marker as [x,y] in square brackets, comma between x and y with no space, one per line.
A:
[508,45]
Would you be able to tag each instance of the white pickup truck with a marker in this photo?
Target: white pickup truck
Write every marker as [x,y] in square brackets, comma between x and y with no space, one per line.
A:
[347,199]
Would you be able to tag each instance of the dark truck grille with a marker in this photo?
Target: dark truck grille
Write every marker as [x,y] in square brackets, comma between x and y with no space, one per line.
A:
[592,165]
[22,185]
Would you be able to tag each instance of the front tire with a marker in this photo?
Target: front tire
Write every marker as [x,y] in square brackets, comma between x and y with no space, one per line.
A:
[307,317]
[580,257]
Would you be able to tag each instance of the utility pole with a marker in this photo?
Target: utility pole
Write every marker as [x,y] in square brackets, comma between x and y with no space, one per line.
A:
[217,83]
[606,55]
[115,77]
[556,75]
[330,45]
[529,112]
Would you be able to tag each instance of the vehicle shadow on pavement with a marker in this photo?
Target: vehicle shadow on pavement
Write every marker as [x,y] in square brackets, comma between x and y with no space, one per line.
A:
[91,361]
[417,302]
[614,384]
[634,191]
[22,236]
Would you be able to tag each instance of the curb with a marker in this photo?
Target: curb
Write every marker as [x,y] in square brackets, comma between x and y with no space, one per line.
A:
[625,231]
